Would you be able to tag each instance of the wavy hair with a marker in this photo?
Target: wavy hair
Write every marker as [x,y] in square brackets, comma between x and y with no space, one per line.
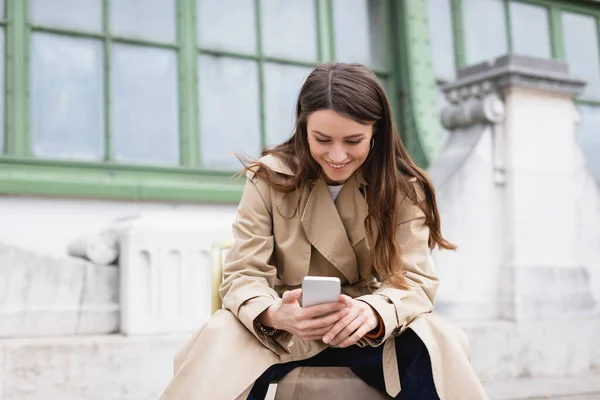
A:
[355,92]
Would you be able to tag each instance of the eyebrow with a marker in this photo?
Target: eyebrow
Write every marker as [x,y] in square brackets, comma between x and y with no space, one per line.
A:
[353,136]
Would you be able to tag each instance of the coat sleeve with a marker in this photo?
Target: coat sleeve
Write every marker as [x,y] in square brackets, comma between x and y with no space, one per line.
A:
[248,275]
[398,307]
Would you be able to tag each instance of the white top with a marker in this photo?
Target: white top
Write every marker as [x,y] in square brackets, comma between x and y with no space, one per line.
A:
[335,190]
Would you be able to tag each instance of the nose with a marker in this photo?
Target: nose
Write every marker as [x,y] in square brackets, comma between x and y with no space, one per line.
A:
[337,154]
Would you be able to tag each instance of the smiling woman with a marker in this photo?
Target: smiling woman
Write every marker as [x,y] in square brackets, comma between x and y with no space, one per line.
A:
[375,237]
[339,152]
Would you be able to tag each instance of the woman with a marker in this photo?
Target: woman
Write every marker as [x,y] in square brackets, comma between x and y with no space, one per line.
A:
[340,198]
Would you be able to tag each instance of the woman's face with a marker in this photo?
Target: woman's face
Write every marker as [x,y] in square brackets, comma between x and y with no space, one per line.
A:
[339,144]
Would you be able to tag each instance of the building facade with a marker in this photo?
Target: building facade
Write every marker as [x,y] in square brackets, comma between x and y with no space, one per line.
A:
[117,109]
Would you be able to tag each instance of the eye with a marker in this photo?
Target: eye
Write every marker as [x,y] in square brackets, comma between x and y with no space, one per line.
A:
[321,140]
[354,142]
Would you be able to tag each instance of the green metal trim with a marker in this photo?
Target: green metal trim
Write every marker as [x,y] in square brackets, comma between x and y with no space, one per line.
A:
[508,28]
[424,133]
[102,36]
[331,24]
[108,148]
[459,34]
[588,102]
[556,34]
[189,127]
[392,89]
[56,178]
[261,74]
[324,39]
[17,74]
[256,57]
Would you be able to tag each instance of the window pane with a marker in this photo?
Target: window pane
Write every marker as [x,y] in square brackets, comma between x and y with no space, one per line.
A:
[442,39]
[581,50]
[75,14]
[219,28]
[282,86]
[589,137]
[360,32]
[144,19]
[67,106]
[530,31]
[289,29]
[485,30]
[2,136]
[229,110]
[144,105]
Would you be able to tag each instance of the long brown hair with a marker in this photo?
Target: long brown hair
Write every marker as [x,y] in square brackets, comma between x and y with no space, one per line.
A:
[354,91]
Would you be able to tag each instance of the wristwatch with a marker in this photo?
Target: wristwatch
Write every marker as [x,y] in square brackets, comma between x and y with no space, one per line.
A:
[266,330]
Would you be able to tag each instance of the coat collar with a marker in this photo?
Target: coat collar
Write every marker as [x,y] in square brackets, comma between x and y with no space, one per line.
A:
[334,229]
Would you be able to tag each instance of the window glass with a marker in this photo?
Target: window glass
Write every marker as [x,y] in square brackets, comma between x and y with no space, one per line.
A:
[143,19]
[2,136]
[289,29]
[282,86]
[144,105]
[360,32]
[66,102]
[588,136]
[581,50]
[485,30]
[219,28]
[530,30]
[229,110]
[442,39]
[74,14]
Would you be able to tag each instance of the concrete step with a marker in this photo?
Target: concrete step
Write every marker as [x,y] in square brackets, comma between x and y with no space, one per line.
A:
[47,296]
[584,387]
[118,367]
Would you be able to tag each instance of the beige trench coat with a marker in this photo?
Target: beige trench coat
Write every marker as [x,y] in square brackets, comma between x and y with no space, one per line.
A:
[273,252]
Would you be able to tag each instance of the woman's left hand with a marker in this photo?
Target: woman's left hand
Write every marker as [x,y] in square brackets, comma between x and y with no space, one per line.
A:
[350,329]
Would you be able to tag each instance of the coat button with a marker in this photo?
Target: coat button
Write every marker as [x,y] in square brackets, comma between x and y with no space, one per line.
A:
[290,344]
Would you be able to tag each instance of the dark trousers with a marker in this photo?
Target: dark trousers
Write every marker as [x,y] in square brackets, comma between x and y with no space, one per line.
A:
[414,365]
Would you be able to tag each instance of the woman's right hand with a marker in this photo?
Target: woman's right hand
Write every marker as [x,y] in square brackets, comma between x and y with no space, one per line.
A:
[308,323]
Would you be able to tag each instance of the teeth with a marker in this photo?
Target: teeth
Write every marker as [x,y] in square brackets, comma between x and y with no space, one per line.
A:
[337,165]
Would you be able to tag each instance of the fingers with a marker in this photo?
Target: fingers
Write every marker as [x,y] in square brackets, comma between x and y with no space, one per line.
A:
[347,331]
[355,337]
[339,327]
[318,310]
[292,296]
[323,322]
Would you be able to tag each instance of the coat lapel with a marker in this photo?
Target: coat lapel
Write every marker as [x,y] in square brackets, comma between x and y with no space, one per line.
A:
[326,232]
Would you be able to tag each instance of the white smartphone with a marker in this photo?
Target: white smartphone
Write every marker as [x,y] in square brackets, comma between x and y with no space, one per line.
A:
[319,290]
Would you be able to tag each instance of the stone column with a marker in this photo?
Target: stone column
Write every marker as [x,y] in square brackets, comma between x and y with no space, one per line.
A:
[506,183]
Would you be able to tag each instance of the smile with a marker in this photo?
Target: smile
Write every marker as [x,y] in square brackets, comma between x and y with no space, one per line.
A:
[337,166]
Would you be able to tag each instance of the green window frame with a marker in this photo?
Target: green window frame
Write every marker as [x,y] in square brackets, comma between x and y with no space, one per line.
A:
[424,134]
[23,174]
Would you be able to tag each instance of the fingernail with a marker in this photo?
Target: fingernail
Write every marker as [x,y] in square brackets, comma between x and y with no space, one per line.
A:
[326,339]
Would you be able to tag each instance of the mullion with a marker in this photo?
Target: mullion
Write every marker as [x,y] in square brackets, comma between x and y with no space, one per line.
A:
[261,74]
[459,33]
[103,36]
[189,129]
[256,57]
[509,38]
[108,148]
[17,80]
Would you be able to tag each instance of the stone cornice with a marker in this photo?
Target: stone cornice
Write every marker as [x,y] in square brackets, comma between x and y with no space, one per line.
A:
[513,70]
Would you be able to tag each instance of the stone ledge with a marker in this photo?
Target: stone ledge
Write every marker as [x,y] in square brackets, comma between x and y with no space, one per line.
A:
[584,387]
[43,295]
[87,367]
